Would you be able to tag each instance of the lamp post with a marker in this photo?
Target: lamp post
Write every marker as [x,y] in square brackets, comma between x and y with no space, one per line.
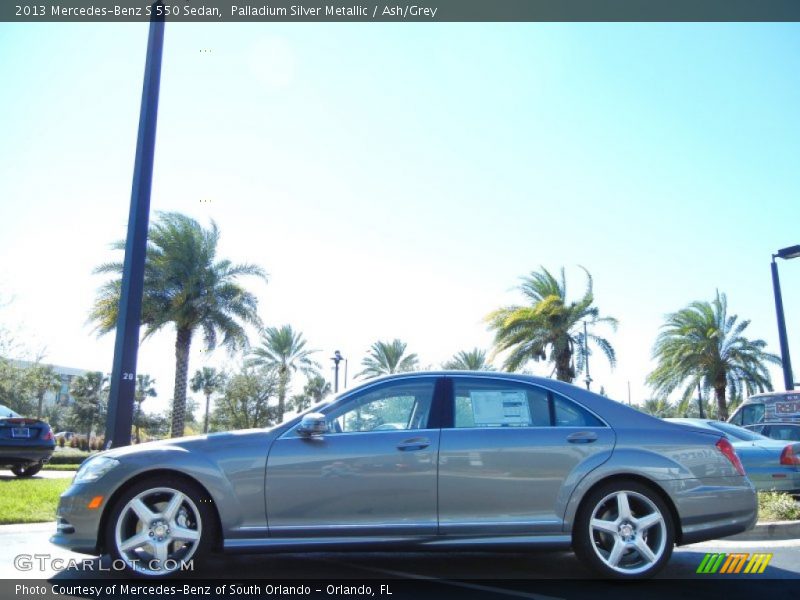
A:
[786,361]
[337,358]
[126,346]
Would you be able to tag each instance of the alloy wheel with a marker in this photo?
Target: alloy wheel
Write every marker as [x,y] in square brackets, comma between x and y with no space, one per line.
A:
[157,531]
[628,532]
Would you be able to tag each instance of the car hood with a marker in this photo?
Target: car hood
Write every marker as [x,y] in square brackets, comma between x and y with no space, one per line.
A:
[206,443]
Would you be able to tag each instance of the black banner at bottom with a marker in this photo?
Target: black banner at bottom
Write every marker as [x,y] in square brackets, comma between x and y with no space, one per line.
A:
[393,589]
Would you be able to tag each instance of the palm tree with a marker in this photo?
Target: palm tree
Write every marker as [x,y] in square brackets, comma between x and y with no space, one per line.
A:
[187,286]
[90,392]
[208,380]
[317,388]
[702,344]
[468,360]
[284,350]
[658,407]
[43,379]
[385,358]
[145,388]
[549,324]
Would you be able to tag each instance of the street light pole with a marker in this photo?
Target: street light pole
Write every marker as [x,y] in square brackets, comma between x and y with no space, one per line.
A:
[126,346]
[337,358]
[786,361]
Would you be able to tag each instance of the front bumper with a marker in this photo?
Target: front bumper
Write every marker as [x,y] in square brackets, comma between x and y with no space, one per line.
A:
[77,525]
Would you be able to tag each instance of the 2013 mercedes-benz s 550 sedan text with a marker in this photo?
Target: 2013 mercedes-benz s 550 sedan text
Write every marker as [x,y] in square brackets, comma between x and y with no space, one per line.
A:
[436,460]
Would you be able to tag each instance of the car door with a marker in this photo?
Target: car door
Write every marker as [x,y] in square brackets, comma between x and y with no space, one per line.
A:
[372,473]
[512,457]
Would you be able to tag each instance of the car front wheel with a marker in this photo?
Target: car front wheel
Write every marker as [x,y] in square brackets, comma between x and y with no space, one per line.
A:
[160,527]
[624,530]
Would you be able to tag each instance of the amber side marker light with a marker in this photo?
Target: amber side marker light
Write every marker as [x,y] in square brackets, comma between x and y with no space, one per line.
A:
[95,503]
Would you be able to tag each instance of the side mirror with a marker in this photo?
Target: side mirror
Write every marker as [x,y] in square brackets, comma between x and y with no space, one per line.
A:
[312,424]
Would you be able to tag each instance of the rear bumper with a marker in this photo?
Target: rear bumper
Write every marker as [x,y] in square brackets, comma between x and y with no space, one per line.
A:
[787,481]
[734,509]
[25,455]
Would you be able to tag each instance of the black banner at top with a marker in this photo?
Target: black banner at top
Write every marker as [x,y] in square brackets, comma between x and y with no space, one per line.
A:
[221,11]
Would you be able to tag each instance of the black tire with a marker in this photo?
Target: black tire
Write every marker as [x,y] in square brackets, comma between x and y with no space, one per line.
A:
[27,470]
[624,545]
[154,549]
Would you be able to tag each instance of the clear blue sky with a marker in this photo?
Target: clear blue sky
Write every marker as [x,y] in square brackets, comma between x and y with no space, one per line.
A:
[396,180]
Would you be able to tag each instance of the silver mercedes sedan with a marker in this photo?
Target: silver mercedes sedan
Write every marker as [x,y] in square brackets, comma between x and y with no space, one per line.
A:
[425,460]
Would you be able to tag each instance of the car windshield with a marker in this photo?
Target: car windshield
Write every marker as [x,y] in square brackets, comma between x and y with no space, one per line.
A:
[737,432]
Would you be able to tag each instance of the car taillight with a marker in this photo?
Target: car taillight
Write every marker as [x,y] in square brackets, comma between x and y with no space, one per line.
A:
[790,455]
[47,434]
[725,447]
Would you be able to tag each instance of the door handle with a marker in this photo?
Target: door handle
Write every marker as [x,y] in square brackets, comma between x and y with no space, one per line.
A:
[413,444]
[582,437]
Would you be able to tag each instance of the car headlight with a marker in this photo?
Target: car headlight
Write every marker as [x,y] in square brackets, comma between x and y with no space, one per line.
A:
[94,468]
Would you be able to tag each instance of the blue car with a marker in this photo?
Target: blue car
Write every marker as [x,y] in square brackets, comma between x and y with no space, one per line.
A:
[25,444]
[770,464]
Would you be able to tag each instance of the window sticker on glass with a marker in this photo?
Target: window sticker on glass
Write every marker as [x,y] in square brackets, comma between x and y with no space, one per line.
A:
[493,408]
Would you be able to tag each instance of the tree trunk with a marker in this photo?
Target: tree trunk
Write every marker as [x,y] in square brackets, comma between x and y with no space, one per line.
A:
[719,392]
[283,384]
[564,370]
[183,344]
[208,403]
[138,419]
[41,401]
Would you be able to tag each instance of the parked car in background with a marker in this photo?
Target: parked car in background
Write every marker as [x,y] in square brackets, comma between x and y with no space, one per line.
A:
[66,435]
[770,464]
[772,407]
[25,444]
[789,432]
[419,460]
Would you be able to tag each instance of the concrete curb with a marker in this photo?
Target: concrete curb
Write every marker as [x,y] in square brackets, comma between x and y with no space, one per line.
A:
[776,530]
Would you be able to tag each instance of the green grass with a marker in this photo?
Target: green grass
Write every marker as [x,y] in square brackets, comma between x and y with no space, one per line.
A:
[777,506]
[49,467]
[30,500]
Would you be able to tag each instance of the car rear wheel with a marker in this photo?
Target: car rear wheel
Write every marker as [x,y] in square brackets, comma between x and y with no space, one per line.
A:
[26,470]
[624,530]
[157,526]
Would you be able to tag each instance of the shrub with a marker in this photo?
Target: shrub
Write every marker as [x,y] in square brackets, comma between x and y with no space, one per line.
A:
[61,442]
[69,459]
[777,506]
